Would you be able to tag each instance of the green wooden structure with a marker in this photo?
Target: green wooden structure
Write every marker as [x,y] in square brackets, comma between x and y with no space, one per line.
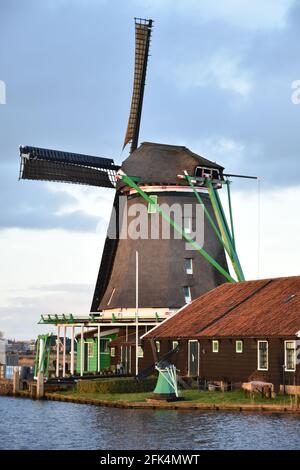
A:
[166,386]
[223,232]
[43,349]
[91,353]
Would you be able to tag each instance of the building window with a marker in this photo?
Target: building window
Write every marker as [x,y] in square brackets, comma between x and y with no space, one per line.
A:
[157,345]
[140,352]
[112,352]
[290,355]
[189,266]
[152,208]
[215,346]
[187,294]
[262,351]
[239,346]
[174,344]
[104,345]
[90,349]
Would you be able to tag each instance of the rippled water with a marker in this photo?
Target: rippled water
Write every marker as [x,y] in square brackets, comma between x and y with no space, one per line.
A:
[26,424]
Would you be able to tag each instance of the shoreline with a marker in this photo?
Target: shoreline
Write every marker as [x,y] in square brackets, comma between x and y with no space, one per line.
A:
[181,405]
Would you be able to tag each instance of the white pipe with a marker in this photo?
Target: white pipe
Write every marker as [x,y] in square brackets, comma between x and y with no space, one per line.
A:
[99,351]
[126,350]
[64,351]
[57,351]
[136,312]
[81,352]
[72,350]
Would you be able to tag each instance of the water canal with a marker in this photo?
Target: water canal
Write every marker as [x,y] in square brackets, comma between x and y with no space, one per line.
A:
[26,424]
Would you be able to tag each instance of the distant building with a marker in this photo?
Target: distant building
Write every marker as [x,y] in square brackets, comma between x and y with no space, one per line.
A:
[2,349]
[21,347]
[241,332]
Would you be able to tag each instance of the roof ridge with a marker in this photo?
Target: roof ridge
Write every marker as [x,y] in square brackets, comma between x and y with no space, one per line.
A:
[230,309]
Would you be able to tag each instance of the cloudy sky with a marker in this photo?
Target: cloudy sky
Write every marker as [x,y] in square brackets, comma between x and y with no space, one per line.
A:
[219,81]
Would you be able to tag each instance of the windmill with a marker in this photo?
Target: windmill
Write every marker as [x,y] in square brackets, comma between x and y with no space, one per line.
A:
[155,176]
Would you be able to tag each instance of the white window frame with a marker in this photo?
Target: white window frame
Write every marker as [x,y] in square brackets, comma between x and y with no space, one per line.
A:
[188,298]
[157,345]
[112,351]
[175,344]
[215,342]
[258,343]
[190,269]
[242,343]
[285,355]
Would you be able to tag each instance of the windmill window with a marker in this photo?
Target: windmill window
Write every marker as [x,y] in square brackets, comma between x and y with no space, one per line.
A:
[239,346]
[290,355]
[262,355]
[198,172]
[187,223]
[174,344]
[157,344]
[187,294]
[215,175]
[189,266]
[215,346]
[152,208]
[201,172]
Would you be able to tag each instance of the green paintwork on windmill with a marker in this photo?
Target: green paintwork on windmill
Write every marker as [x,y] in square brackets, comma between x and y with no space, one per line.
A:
[178,229]
[92,359]
[163,387]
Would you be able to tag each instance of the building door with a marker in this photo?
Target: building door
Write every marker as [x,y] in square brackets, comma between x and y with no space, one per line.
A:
[86,357]
[193,358]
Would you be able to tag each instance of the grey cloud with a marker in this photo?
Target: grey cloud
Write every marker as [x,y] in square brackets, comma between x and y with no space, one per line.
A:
[29,204]
[19,319]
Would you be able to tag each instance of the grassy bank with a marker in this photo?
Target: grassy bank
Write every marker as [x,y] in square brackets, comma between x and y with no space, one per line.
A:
[238,397]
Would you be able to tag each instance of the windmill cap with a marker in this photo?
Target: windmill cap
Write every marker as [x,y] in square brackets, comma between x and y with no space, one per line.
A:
[156,163]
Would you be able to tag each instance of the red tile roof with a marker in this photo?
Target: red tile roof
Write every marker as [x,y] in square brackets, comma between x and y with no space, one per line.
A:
[268,307]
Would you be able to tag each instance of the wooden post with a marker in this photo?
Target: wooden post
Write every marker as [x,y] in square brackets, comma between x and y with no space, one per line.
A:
[126,350]
[16,381]
[136,313]
[99,351]
[40,386]
[81,352]
[57,351]
[64,351]
[72,350]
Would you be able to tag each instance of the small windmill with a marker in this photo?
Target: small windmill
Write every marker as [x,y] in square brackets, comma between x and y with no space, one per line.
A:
[153,174]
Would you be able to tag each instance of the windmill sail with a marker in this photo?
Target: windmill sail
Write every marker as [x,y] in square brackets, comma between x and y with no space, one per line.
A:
[142,42]
[54,165]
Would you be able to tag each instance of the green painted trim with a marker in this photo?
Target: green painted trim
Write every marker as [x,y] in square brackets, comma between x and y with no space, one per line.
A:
[178,229]
[212,223]
[230,213]
[45,359]
[222,222]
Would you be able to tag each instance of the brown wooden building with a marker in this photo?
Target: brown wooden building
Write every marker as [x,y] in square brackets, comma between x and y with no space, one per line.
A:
[237,333]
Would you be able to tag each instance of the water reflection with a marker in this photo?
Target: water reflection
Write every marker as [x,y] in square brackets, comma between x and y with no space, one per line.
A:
[26,424]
